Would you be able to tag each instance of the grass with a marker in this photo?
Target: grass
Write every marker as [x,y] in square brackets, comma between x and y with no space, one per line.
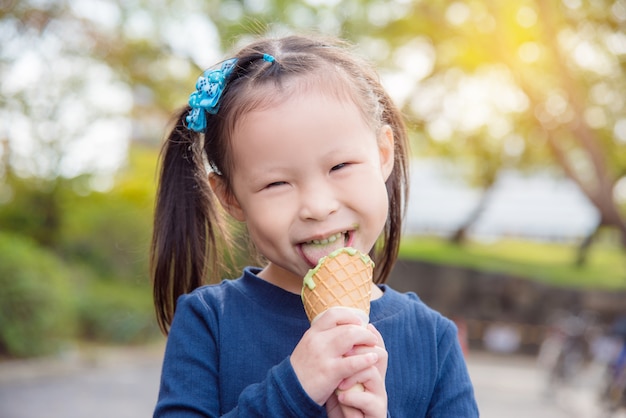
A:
[549,263]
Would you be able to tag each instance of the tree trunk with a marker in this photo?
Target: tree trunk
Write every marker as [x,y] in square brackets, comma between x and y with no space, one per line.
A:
[459,236]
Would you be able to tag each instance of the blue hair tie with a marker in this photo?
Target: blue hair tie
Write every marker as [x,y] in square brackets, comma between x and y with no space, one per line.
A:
[268,58]
[206,98]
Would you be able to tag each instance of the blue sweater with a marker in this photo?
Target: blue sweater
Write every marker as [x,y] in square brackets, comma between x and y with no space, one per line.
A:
[228,353]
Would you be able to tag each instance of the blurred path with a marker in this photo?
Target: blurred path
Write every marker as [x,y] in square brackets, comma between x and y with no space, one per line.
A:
[97,383]
[123,383]
[514,387]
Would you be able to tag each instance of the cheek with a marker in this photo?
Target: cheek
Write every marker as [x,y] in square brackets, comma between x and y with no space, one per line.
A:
[265,225]
[373,201]
[379,199]
[383,206]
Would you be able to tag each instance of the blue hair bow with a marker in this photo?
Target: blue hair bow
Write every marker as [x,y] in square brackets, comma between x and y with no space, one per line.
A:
[209,88]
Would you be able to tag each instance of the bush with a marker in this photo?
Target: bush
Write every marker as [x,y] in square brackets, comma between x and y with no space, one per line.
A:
[36,305]
[113,312]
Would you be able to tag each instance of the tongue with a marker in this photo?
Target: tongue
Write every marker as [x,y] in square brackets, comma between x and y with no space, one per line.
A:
[313,252]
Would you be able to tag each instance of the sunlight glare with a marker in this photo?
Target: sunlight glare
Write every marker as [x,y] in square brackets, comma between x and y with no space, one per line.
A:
[619,191]
[102,12]
[619,11]
[301,15]
[26,70]
[529,52]
[572,4]
[231,11]
[256,6]
[616,42]
[139,25]
[556,104]
[595,117]
[499,127]
[398,84]
[514,145]
[186,33]
[485,23]
[458,13]
[601,93]
[318,3]
[439,129]
[104,146]
[619,130]
[526,17]
[416,58]
[468,103]
[588,56]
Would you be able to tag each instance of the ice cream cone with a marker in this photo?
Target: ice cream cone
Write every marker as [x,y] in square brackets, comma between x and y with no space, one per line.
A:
[342,278]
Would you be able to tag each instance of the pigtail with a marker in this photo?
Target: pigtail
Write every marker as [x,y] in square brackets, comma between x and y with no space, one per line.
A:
[397,190]
[186,222]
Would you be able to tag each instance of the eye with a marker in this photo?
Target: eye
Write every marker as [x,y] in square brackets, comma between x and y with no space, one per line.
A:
[275,184]
[339,166]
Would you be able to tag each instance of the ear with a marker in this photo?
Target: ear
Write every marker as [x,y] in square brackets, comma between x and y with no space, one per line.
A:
[386,150]
[226,197]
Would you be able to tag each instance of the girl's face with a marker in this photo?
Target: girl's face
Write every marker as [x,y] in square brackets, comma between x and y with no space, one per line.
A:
[309,177]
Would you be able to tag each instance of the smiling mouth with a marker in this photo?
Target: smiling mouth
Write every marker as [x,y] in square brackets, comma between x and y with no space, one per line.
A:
[315,249]
[329,240]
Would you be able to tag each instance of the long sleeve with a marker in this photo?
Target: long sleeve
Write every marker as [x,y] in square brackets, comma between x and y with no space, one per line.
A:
[201,366]
[275,396]
[453,395]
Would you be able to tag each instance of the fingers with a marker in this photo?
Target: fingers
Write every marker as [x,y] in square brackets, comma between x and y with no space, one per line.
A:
[320,361]
[350,412]
[373,329]
[383,356]
[344,330]
[336,410]
[364,391]
[366,380]
[338,316]
[358,362]
[372,401]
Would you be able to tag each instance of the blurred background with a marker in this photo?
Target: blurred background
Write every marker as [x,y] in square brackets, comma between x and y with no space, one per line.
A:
[516,225]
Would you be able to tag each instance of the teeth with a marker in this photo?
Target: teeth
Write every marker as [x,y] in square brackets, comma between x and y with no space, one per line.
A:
[328,240]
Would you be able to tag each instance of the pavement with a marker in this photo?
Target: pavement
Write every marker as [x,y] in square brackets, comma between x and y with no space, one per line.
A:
[516,387]
[123,382]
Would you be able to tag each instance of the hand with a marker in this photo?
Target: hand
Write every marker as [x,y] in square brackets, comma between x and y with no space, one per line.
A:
[321,361]
[362,395]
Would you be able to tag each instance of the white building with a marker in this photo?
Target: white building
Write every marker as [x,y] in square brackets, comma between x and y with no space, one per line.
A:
[534,206]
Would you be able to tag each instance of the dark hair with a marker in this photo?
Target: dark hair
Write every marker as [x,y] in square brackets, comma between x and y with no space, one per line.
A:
[189,230]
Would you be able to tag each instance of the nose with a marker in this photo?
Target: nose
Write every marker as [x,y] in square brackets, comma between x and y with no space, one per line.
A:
[317,203]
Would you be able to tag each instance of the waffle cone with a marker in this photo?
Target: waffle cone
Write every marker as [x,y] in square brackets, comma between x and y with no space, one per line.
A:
[343,278]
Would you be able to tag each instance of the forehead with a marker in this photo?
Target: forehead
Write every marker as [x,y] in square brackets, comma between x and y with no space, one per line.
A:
[304,131]
[265,94]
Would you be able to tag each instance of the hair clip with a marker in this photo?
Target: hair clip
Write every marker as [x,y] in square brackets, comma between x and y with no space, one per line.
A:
[269,58]
[206,98]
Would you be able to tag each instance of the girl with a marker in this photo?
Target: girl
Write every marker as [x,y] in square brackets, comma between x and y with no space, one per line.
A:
[297,139]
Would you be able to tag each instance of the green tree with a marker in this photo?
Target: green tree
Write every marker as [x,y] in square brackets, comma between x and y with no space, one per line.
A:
[522,83]
[560,66]
[36,302]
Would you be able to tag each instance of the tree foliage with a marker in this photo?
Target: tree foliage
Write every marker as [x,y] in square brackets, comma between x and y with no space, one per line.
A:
[36,299]
[559,67]
[489,84]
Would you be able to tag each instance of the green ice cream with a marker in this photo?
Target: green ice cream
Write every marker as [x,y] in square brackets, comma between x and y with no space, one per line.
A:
[308,279]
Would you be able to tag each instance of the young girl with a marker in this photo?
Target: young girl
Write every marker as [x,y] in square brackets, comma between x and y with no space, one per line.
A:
[297,139]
